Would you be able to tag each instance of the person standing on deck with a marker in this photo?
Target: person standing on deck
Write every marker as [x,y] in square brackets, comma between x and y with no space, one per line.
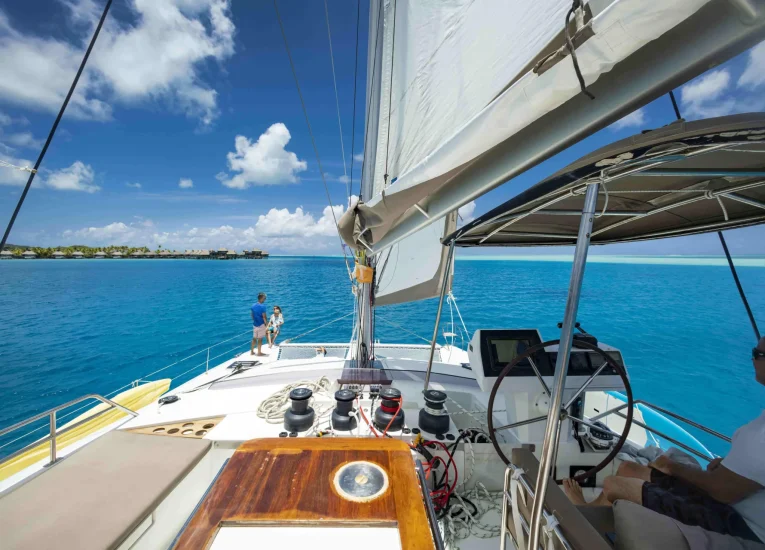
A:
[258,312]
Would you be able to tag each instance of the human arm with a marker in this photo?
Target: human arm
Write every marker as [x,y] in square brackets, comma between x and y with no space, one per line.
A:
[265,321]
[719,482]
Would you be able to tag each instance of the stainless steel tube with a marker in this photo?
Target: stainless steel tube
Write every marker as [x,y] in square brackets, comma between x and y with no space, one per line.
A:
[444,286]
[561,365]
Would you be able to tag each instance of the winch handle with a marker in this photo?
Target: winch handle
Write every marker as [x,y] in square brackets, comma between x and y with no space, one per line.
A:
[577,326]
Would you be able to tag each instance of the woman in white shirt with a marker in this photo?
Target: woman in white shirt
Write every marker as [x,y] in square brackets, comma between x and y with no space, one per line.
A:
[274,326]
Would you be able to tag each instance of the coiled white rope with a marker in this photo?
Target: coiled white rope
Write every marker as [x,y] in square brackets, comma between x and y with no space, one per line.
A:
[460,522]
[272,408]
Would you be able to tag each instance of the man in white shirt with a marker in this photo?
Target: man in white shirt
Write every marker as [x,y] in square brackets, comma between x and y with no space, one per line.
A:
[728,497]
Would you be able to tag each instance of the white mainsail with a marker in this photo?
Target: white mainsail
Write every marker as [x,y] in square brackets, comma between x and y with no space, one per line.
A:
[460,92]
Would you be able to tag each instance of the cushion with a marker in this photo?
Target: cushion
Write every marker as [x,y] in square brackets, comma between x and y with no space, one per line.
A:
[95,497]
[638,528]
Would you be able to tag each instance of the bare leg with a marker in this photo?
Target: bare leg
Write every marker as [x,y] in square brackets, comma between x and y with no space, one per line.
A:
[252,347]
[260,353]
[574,493]
[623,488]
[268,336]
[635,470]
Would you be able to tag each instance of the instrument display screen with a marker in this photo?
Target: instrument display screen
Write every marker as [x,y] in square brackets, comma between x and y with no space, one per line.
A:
[500,347]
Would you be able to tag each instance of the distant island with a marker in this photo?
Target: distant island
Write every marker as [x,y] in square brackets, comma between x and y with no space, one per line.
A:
[76,252]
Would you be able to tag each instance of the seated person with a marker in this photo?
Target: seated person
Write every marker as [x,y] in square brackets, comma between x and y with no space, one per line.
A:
[274,326]
[728,497]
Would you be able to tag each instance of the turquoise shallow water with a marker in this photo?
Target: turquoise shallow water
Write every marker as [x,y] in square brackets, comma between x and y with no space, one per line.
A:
[73,327]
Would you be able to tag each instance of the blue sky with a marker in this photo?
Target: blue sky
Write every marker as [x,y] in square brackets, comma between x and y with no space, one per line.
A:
[187,131]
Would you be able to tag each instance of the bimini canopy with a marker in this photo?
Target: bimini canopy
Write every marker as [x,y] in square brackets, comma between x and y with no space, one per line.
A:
[682,179]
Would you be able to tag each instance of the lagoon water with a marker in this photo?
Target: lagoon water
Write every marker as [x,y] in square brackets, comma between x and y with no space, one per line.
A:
[68,328]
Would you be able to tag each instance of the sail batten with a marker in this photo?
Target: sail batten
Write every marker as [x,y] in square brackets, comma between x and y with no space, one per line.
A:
[453,109]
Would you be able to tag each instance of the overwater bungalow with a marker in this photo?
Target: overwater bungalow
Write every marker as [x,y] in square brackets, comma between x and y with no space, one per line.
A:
[58,255]
[231,255]
[6,255]
[165,254]
[77,255]
[264,254]
[204,255]
[100,255]
[117,255]
[149,254]
[29,255]
[137,254]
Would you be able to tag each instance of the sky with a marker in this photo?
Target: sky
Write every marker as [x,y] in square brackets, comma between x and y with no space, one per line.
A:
[186,129]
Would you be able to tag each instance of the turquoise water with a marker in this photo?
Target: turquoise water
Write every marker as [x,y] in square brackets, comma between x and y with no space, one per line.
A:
[68,328]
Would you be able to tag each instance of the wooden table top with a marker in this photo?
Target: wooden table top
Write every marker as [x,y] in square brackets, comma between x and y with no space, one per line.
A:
[290,482]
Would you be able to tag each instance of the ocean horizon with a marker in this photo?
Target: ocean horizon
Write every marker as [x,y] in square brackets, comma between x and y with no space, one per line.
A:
[68,328]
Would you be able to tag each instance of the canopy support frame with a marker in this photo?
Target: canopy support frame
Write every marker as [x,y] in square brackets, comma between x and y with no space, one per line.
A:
[615,172]
[552,430]
[444,286]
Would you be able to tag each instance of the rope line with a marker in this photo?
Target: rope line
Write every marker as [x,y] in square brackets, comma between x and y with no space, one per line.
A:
[289,340]
[404,329]
[5,164]
[355,79]
[55,126]
[390,91]
[369,103]
[337,98]
[313,140]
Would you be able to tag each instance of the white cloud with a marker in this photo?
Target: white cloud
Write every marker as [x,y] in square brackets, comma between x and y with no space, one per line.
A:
[265,162]
[466,212]
[343,179]
[754,73]
[21,139]
[703,97]
[134,185]
[158,53]
[185,183]
[634,119]
[5,120]
[78,177]
[359,157]
[282,230]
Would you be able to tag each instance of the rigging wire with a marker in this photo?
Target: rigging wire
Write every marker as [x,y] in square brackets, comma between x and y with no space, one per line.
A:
[313,140]
[355,75]
[390,91]
[337,99]
[724,244]
[33,172]
[369,103]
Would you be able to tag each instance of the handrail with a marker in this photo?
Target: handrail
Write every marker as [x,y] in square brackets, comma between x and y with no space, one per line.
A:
[51,414]
[429,507]
[548,517]
[668,413]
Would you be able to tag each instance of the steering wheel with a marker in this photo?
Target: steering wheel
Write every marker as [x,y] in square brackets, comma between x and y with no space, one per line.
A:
[528,354]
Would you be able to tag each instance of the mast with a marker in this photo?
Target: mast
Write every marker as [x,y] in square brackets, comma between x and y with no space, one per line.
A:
[365,292]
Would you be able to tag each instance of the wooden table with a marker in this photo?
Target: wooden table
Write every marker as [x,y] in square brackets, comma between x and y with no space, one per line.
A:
[289,482]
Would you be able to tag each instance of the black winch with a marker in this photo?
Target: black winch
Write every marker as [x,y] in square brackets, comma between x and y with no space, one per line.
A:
[341,419]
[300,416]
[389,414]
[434,417]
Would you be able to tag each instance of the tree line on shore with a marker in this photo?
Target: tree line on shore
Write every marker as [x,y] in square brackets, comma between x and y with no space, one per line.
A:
[87,251]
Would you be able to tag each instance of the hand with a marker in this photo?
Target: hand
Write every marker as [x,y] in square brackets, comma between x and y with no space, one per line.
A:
[663,464]
[714,464]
